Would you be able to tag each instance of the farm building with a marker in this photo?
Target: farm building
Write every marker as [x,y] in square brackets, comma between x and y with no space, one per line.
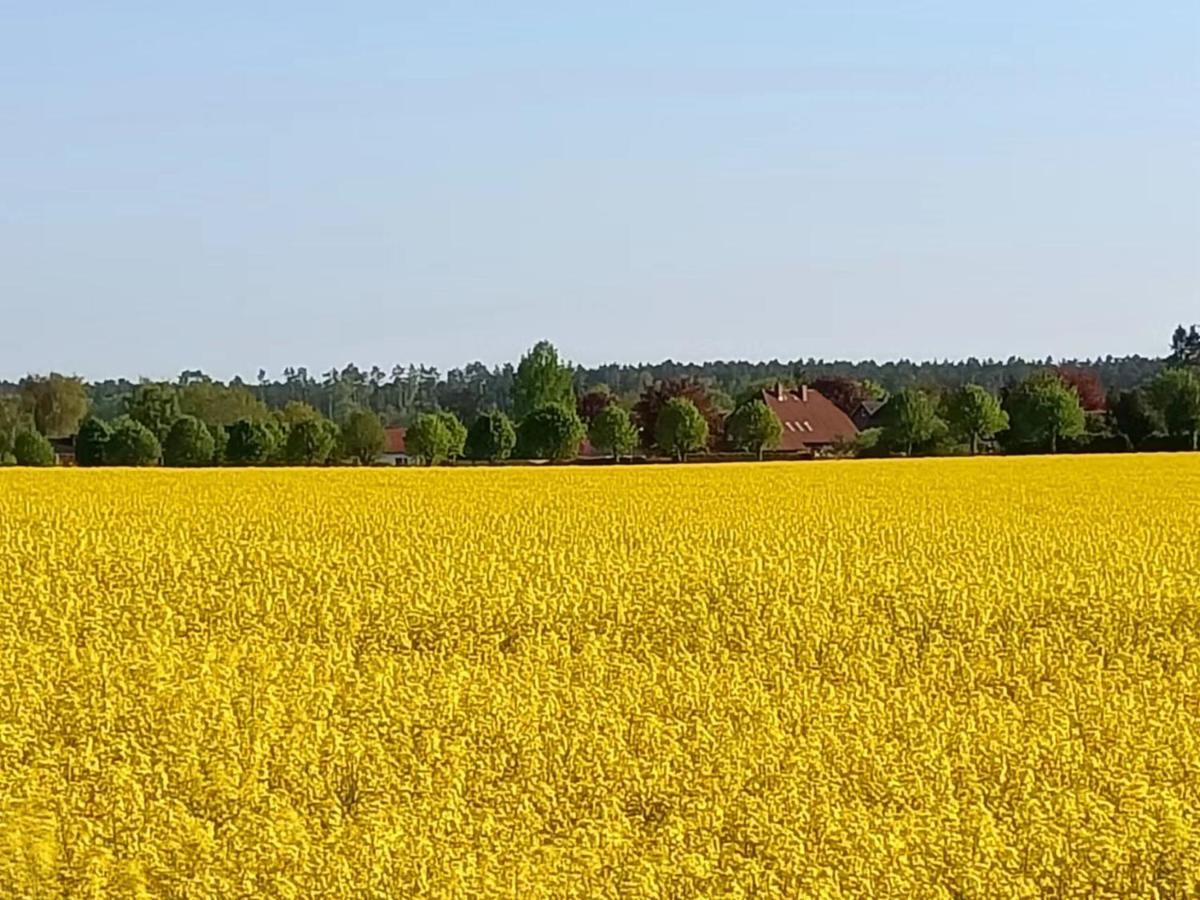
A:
[810,420]
[868,414]
[394,452]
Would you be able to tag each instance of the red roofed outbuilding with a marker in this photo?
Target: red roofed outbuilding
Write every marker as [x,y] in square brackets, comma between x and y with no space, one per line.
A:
[394,451]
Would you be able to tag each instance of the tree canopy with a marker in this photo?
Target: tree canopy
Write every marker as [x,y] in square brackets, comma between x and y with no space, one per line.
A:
[1175,394]
[910,420]
[656,396]
[56,402]
[189,443]
[428,439]
[1042,409]
[541,379]
[363,436]
[310,441]
[552,431]
[975,414]
[31,448]
[491,437]
[680,428]
[612,431]
[155,405]
[754,426]
[131,444]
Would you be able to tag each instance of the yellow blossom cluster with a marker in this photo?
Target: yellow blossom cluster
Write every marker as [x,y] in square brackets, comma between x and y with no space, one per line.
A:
[927,678]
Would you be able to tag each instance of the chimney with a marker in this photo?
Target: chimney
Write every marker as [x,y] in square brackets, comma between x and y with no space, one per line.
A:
[804,393]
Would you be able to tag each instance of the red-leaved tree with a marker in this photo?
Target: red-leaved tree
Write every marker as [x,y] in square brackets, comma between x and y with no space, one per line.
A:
[1087,385]
[844,393]
[655,397]
[594,402]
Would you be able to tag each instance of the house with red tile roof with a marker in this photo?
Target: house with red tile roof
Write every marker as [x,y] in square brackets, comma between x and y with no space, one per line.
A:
[810,420]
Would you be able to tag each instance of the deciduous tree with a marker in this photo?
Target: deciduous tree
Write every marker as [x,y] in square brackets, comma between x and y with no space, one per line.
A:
[591,404]
[1175,393]
[680,428]
[91,444]
[491,437]
[310,441]
[1087,385]
[457,432]
[131,444]
[612,431]
[910,419]
[428,439]
[189,443]
[31,448]
[363,436]
[250,443]
[655,397]
[56,402]
[552,431]
[1132,414]
[1042,409]
[155,405]
[975,414]
[754,426]
[541,379]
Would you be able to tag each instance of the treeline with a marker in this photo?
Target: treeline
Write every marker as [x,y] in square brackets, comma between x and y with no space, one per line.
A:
[543,408]
[400,393]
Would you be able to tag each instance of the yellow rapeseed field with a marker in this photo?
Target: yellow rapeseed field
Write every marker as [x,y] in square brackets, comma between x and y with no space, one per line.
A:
[951,678]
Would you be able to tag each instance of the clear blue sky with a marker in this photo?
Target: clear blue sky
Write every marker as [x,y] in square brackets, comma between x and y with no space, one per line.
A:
[233,185]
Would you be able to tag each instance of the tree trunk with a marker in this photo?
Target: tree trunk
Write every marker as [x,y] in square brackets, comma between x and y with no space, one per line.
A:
[1195,439]
[908,449]
[974,444]
[760,454]
[1053,441]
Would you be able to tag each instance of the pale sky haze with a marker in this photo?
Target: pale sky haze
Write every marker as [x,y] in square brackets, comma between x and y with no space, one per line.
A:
[233,185]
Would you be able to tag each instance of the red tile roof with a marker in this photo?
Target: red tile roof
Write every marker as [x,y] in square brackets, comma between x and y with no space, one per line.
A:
[809,419]
[393,440]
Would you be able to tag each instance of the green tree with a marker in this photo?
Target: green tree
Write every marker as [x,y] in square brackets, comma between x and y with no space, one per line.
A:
[680,428]
[457,432]
[491,437]
[13,419]
[754,426]
[131,444]
[363,436]
[613,431]
[1042,409]
[310,442]
[189,443]
[31,448]
[91,444]
[1175,393]
[57,403]
[1132,414]
[541,379]
[155,405]
[552,431]
[975,414]
[220,436]
[218,404]
[428,439]
[910,420]
[250,443]
[295,411]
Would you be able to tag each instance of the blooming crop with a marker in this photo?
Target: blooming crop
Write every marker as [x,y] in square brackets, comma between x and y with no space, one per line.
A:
[939,678]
